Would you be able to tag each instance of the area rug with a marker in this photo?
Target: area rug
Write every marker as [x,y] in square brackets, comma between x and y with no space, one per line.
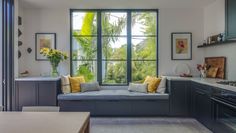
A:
[146,125]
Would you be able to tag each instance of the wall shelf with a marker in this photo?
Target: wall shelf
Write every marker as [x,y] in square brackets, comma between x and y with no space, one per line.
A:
[216,44]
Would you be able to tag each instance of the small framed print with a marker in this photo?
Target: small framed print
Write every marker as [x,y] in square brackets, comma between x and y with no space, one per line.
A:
[181,46]
[44,40]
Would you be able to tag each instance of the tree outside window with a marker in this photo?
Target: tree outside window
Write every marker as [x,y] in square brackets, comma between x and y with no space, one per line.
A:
[112,30]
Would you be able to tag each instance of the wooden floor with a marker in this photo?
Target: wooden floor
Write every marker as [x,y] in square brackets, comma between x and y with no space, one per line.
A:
[146,125]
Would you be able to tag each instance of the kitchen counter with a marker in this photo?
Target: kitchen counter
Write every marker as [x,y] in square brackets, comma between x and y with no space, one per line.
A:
[206,81]
[37,79]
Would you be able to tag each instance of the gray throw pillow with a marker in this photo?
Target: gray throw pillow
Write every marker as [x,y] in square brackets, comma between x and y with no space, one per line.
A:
[138,87]
[89,87]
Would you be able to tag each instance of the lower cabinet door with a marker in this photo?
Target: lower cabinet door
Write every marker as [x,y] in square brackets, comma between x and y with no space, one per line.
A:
[47,94]
[179,98]
[203,108]
[25,94]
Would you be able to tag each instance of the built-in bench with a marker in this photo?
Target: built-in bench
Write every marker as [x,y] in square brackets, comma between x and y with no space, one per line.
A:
[116,101]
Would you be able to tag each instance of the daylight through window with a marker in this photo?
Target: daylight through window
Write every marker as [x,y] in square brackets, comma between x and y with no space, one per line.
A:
[114,47]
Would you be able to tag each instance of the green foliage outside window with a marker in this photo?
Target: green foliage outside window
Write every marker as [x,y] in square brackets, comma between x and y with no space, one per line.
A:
[143,52]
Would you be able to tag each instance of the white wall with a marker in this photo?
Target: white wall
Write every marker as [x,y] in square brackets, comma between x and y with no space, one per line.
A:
[36,20]
[21,38]
[57,20]
[214,18]
[179,20]
[16,11]
[214,23]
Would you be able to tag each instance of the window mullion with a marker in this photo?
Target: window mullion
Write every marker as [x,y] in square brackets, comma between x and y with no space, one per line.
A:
[99,47]
[129,47]
[157,43]
[71,36]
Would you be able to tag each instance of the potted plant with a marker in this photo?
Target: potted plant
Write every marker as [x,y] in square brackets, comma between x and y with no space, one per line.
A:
[55,57]
[203,69]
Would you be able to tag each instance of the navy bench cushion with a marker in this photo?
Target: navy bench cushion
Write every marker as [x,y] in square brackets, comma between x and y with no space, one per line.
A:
[112,94]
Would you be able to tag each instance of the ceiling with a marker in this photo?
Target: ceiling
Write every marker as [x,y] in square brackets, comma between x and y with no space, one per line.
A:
[118,4]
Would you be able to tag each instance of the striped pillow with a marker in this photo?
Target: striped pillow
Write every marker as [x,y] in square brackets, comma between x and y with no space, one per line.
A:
[65,84]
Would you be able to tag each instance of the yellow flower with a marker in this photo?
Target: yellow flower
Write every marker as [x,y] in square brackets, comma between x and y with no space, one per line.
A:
[53,54]
[44,51]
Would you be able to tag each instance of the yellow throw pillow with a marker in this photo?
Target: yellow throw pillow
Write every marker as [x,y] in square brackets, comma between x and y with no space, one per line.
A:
[153,83]
[75,83]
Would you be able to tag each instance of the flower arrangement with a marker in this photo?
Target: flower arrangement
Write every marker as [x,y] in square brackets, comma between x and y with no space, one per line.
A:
[181,47]
[203,69]
[55,57]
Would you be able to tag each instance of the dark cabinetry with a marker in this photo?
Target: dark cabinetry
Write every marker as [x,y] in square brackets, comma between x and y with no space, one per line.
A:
[224,110]
[47,93]
[25,94]
[179,98]
[201,107]
[230,6]
[213,107]
[118,107]
[35,93]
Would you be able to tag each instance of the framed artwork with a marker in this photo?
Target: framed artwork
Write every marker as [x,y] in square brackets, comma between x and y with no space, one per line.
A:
[44,40]
[181,46]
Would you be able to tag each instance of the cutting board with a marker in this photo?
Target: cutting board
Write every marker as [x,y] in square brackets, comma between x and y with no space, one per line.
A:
[220,63]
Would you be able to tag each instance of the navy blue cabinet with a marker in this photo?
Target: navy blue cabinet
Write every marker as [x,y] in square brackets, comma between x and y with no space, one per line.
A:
[25,94]
[201,107]
[35,93]
[230,6]
[179,98]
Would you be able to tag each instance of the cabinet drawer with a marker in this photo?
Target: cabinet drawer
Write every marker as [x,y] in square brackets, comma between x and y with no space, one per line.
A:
[203,88]
[80,106]
[150,108]
[113,107]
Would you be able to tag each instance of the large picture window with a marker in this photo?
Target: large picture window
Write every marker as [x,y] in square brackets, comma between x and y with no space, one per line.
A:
[114,46]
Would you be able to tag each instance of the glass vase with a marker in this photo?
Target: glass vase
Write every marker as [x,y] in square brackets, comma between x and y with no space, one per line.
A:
[54,72]
[203,74]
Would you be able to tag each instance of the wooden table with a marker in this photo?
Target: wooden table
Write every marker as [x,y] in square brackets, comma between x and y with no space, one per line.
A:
[44,122]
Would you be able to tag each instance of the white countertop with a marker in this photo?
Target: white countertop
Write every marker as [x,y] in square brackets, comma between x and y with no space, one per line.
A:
[206,81]
[37,79]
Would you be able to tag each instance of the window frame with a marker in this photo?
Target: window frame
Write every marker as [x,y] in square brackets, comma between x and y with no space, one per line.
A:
[99,36]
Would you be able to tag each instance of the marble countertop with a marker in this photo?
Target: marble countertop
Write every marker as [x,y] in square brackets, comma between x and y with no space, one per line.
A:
[37,79]
[205,81]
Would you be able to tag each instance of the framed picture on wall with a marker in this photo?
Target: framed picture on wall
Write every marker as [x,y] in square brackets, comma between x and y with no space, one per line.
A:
[181,46]
[44,40]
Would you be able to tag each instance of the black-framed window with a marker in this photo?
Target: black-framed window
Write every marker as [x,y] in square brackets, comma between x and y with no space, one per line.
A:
[114,47]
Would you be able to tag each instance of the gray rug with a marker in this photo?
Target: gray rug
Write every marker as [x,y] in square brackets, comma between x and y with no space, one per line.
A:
[146,125]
